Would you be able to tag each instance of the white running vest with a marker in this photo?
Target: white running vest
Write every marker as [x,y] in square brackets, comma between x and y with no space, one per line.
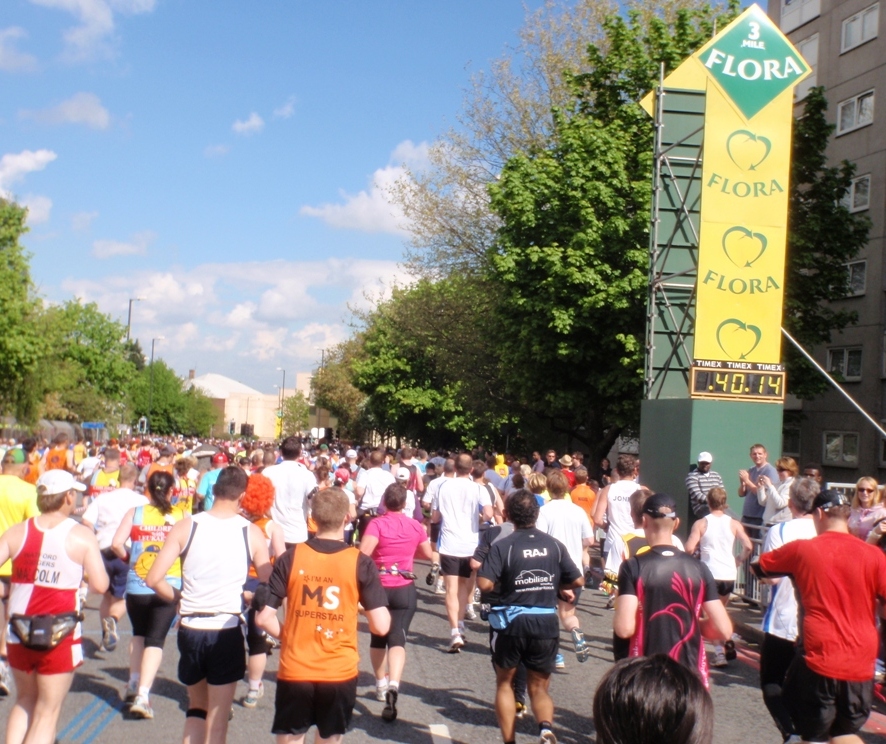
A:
[716,546]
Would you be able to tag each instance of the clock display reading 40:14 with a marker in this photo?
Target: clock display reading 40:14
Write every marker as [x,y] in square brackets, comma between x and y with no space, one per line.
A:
[733,384]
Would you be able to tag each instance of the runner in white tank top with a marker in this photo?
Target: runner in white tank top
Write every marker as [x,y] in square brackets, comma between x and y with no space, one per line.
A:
[49,554]
[715,537]
[216,548]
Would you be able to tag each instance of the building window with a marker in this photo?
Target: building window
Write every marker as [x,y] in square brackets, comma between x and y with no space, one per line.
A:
[808,49]
[883,448]
[794,13]
[857,274]
[845,364]
[858,195]
[855,112]
[860,28]
[840,448]
[790,441]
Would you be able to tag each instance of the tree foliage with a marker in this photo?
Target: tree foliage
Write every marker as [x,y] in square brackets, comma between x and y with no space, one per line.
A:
[822,236]
[169,406]
[296,414]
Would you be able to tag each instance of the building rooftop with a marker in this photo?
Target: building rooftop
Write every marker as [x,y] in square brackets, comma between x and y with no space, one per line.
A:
[219,386]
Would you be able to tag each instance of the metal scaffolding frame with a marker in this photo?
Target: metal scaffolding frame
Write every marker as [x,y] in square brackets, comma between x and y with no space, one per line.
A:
[673,241]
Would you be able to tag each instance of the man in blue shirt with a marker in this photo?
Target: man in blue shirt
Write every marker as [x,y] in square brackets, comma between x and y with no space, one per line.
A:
[752,511]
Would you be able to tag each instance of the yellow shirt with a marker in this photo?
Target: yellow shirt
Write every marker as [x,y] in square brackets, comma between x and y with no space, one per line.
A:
[18,502]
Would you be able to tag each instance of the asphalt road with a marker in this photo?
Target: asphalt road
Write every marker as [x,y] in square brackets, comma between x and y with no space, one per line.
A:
[444,698]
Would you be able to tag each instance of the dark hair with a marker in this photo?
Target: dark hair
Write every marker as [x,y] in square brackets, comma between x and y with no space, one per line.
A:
[406,453]
[518,481]
[231,483]
[478,470]
[160,486]
[652,700]
[522,508]
[394,497]
[625,465]
[290,448]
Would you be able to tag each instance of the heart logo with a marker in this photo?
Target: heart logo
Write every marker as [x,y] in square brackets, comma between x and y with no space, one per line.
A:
[738,339]
[747,150]
[742,246]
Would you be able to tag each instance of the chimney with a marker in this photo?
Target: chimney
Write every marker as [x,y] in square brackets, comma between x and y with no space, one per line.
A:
[192,373]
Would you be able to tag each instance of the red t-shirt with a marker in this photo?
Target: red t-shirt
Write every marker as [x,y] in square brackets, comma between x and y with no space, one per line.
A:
[839,579]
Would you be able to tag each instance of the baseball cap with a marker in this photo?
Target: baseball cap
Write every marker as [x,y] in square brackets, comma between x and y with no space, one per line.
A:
[350,454]
[830,498]
[705,457]
[58,481]
[660,505]
[167,451]
[342,475]
[219,458]
[403,474]
[15,456]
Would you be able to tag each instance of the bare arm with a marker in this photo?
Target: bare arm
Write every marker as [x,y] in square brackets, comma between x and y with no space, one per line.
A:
[425,551]
[93,565]
[624,624]
[600,507]
[484,584]
[118,544]
[368,544]
[259,553]
[379,620]
[267,620]
[716,626]
[698,529]
[747,547]
[487,512]
[278,544]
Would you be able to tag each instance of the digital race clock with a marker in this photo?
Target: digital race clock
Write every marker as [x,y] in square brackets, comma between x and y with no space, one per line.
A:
[763,386]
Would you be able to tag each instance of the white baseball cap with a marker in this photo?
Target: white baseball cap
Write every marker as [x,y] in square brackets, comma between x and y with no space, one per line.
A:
[58,481]
[705,457]
[351,454]
[403,474]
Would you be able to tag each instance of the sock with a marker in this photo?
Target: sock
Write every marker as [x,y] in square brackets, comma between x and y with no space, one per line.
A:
[134,679]
[455,631]
[543,725]
[393,685]
[381,682]
[145,691]
[461,626]
[718,648]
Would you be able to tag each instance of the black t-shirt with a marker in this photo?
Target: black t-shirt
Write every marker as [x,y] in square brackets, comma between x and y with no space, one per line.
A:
[671,588]
[372,594]
[528,567]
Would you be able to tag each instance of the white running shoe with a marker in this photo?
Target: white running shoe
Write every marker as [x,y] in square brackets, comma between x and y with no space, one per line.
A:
[456,645]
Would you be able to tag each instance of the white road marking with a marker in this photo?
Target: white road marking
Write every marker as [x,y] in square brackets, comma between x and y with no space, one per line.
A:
[440,733]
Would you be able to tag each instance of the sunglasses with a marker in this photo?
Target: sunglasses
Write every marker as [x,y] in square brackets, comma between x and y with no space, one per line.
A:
[866,490]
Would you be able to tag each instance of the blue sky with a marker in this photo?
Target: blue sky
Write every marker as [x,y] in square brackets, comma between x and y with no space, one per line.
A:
[222,159]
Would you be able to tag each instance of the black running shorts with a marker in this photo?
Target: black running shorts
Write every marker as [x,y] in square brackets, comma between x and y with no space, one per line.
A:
[300,705]
[537,654]
[451,565]
[218,656]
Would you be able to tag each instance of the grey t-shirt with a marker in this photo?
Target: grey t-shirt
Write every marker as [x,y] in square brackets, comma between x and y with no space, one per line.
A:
[752,507]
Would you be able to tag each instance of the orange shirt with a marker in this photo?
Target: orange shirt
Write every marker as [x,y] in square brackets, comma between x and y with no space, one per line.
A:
[158,468]
[585,497]
[319,637]
[57,459]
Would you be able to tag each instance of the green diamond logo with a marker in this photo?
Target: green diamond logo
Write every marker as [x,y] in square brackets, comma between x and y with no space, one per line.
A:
[753,61]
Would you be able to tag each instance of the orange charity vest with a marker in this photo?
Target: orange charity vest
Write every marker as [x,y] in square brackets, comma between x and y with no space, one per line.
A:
[157,468]
[57,459]
[319,638]
[585,497]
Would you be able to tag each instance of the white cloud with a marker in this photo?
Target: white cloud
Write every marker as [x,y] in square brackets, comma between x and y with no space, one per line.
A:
[286,110]
[81,108]
[372,210]
[11,59]
[136,246]
[82,221]
[216,151]
[38,206]
[250,126]
[14,167]
[92,37]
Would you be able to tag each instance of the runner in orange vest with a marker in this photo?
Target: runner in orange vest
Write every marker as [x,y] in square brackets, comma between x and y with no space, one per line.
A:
[58,457]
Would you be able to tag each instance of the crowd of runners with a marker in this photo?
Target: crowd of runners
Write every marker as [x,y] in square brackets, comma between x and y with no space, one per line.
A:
[247,547]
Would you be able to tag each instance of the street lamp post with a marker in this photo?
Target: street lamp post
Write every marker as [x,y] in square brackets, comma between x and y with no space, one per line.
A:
[129,316]
[151,387]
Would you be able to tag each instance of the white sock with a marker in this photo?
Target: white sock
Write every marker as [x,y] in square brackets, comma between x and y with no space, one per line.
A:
[134,678]
[254,684]
[381,682]
[455,631]
[393,685]
[144,691]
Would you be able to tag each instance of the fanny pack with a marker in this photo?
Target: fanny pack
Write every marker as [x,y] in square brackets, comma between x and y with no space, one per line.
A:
[394,571]
[501,617]
[44,632]
[372,512]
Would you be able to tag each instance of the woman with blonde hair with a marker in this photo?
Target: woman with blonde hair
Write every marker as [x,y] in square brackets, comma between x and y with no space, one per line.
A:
[538,484]
[774,497]
[867,507]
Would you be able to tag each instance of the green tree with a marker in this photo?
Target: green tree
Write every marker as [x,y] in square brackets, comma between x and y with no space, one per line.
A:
[170,407]
[296,410]
[22,346]
[822,236]
[333,389]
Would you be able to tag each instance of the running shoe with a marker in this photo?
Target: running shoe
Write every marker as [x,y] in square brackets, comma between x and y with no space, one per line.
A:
[141,708]
[546,736]
[477,595]
[432,574]
[439,588]
[109,634]
[381,692]
[456,645]
[83,593]
[5,679]
[130,693]
[719,660]
[560,663]
[521,710]
[470,612]
[582,649]
[390,710]
[879,672]
[729,650]
[610,603]
[253,695]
